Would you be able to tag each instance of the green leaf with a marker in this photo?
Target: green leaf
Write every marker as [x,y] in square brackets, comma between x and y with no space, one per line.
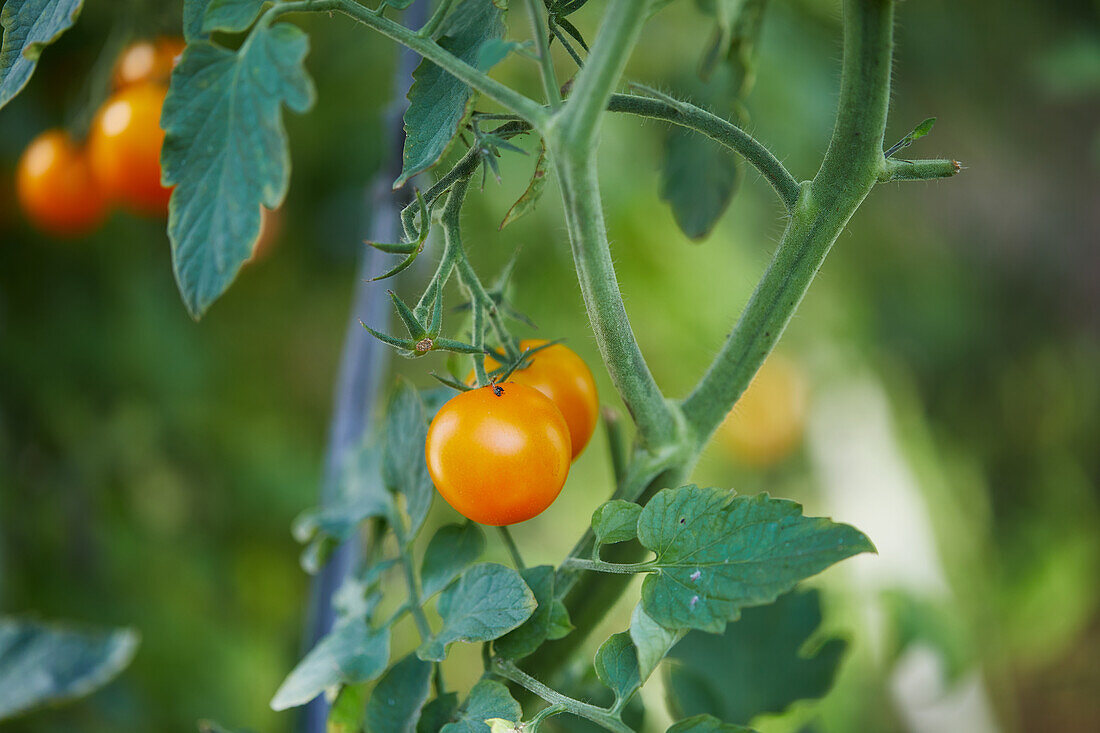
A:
[452,549]
[404,468]
[495,50]
[349,654]
[915,134]
[437,713]
[915,619]
[707,724]
[486,602]
[194,11]
[359,594]
[520,642]
[348,710]
[531,195]
[717,553]
[30,26]
[231,16]
[758,665]
[359,495]
[438,102]
[651,640]
[44,664]
[616,521]
[488,699]
[560,625]
[225,150]
[698,176]
[397,698]
[617,665]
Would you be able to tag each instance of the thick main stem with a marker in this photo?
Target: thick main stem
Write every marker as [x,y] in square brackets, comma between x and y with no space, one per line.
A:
[851,167]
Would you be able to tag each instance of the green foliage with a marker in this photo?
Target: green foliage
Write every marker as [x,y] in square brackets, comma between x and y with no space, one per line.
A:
[759,665]
[528,637]
[651,640]
[915,134]
[29,26]
[438,102]
[488,699]
[348,710]
[706,724]
[194,16]
[404,469]
[452,549]
[349,654]
[43,664]
[225,151]
[617,666]
[395,704]
[486,602]
[437,713]
[616,521]
[717,553]
[531,195]
[231,16]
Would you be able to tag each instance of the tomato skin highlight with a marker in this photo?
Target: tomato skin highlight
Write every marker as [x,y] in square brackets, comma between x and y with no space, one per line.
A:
[124,148]
[500,454]
[561,375]
[56,187]
[147,61]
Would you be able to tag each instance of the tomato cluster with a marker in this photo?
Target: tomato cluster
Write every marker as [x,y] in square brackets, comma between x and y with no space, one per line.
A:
[500,454]
[66,189]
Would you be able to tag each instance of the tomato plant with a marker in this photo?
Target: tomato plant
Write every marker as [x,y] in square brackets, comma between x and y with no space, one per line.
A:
[499,452]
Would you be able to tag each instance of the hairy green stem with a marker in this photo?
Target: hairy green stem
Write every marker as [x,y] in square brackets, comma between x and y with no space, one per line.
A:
[432,25]
[918,170]
[602,717]
[616,568]
[416,603]
[721,131]
[524,106]
[852,166]
[546,62]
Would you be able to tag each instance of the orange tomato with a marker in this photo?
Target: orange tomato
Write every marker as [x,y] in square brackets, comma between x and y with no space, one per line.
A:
[124,148]
[561,375]
[499,454]
[767,422]
[56,188]
[148,61]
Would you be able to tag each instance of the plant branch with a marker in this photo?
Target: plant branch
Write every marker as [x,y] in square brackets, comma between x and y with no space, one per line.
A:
[602,717]
[918,170]
[546,62]
[599,566]
[852,165]
[513,549]
[415,602]
[721,131]
[507,97]
[432,25]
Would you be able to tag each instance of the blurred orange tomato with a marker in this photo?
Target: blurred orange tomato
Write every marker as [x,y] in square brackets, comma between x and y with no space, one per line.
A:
[148,61]
[56,188]
[124,148]
[766,424]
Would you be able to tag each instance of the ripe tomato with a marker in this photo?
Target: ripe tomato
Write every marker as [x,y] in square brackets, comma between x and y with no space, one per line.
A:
[767,422]
[56,188]
[148,61]
[561,375]
[124,147]
[499,454]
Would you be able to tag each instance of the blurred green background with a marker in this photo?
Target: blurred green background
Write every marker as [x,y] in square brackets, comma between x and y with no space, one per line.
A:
[150,466]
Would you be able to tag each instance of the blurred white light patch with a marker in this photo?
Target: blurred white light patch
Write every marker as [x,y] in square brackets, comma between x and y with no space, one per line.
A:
[866,481]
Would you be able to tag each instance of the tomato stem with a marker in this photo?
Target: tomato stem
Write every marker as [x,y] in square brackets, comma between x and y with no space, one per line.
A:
[506,536]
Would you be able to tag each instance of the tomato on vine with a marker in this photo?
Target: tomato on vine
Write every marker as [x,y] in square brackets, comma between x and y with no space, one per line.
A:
[124,148]
[499,454]
[148,61]
[561,375]
[766,424]
[56,188]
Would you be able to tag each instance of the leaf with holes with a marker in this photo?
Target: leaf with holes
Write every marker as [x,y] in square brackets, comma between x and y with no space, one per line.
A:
[717,553]
[438,102]
[29,26]
[225,151]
